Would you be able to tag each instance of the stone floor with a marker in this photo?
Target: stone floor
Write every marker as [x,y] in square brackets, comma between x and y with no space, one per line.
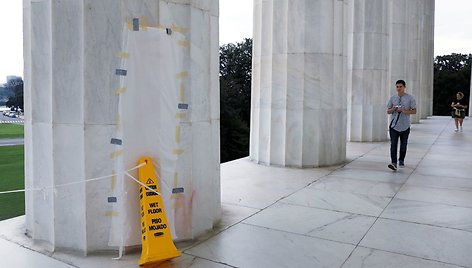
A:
[356,215]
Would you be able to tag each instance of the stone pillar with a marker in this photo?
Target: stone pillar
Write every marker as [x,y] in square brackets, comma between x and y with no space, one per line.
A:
[368,64]
[414,58]
[470,94]
[71,51]
[427,58]
[398,43]
[298,115]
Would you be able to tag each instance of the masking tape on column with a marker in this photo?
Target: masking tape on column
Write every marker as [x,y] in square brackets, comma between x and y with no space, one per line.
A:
[177,151]
[177,134]
[143,23]
[178,29]
[182,75]
[116,154]
[180,115]
[112,213]
[121,90]
[182,92]
[183,43]
[122,55]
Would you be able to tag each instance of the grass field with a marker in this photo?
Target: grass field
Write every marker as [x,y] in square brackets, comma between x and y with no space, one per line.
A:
[11,178]
[8,131]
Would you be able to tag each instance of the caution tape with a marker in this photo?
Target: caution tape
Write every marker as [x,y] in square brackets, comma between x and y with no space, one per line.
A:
[44,189]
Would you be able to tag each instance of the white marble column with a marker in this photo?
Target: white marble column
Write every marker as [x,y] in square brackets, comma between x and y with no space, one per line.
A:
[425,108]
[368,64]
[398,60]
[298,115]
[414,57]
[71,107]
[470,100]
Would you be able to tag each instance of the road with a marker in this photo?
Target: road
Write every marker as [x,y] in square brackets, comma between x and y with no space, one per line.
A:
[5,119]
[10,142]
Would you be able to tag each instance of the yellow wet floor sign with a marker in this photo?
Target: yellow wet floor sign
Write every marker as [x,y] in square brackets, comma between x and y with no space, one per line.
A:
[155,233]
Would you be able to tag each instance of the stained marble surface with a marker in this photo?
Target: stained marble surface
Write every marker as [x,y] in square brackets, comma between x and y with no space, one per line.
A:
[321,223]
[339,201]
[251,246]
[372,258]
[337,184]
[423,241]
[430,213]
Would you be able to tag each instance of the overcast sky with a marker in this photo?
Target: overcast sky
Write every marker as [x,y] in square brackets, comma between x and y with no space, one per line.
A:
[453,29]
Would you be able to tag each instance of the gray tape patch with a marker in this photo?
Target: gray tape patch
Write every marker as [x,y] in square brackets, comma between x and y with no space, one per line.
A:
[135,24]
[121,72]
[169,31]
[116,141]
[178,190]
[112,199]
[183,106]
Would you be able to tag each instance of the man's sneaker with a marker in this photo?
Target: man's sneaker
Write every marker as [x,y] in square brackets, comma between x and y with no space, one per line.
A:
[392,166]
[461,129]
[455,130]
[402,165]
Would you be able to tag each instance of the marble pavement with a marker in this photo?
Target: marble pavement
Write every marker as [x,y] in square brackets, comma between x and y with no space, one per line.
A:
[357,214]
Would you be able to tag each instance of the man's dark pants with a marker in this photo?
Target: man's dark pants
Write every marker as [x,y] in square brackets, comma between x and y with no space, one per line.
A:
[394,136]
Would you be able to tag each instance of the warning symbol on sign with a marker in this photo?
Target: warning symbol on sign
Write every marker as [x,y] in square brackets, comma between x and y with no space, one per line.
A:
[149,181]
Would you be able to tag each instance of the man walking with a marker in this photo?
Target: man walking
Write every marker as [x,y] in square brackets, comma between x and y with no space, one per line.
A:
[400,106]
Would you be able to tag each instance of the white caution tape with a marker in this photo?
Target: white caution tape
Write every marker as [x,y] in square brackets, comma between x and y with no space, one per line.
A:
[43,189]
[140,183]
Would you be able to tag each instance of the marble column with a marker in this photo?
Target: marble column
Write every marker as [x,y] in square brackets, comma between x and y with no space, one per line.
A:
[425,108]
[298,115]
[398,60]
[414,58]
[470,96]
[368,64]
[70,50]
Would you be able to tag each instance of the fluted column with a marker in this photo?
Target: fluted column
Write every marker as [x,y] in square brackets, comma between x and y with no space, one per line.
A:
[368,64]
[398,60]
[427,58]
[414,57]
[72,52]
[298,115]
[470,101]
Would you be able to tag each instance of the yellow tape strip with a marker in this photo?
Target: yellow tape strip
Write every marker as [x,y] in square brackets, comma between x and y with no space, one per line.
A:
[111,213]
[122,55]
[118,121]
[183,43]
[177,134]
[116,154]
[180,115]
[182,75]
[178,151]
[178,205]
[182,92]
[113,181]
[143,23]
[121,90]
[178,29]
[160,26]
[129,23]
[176,179]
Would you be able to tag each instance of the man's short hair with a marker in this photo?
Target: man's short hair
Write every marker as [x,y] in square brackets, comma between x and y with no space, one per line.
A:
[401,82]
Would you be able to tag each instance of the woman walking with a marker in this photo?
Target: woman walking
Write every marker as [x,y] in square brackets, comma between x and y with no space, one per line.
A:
[458,110]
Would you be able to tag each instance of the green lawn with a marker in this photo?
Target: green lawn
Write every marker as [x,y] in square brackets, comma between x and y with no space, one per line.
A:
[11,131]
[11,178]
